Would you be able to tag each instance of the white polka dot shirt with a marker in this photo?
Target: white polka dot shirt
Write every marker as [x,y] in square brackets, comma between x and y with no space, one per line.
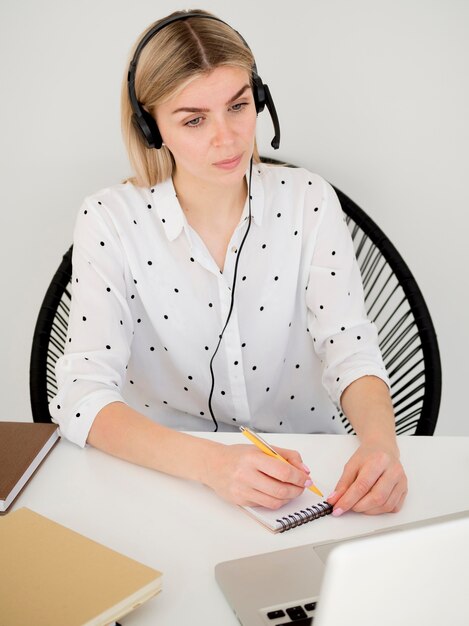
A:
[149,303]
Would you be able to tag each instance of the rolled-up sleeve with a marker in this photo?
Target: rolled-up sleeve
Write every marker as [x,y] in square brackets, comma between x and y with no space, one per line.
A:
[344,338]
[92,370]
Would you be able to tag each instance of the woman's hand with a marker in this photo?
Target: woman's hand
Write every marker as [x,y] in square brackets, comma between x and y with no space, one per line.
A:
[373,482]
[244,475]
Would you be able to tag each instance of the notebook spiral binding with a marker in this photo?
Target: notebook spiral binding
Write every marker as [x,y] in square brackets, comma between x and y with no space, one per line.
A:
[305,515]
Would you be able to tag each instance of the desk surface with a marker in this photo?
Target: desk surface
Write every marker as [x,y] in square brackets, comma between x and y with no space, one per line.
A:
[183,529]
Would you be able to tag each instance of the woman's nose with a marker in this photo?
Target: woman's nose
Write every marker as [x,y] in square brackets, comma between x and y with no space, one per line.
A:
[223,133]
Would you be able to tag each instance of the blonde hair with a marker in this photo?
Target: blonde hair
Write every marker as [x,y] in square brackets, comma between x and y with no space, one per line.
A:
[180,52]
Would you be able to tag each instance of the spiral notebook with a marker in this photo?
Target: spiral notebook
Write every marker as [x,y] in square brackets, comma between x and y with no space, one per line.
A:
[305,508]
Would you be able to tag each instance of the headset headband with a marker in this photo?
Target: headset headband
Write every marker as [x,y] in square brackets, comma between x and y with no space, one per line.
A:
[146,124]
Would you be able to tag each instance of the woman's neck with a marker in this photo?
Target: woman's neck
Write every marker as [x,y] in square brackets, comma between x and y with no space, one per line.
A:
[213,212]
[205,203]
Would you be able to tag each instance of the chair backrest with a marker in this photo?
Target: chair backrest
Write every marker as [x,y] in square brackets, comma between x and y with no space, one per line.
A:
[393,300]
[406,334]
[50,336]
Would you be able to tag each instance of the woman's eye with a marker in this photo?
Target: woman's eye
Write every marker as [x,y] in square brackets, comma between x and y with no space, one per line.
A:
[238,107]
[195,122]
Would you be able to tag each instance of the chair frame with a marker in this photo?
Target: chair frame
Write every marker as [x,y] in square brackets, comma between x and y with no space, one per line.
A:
[357,219]
[49,339]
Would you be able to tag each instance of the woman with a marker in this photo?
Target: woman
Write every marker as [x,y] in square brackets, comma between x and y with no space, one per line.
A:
[158,342]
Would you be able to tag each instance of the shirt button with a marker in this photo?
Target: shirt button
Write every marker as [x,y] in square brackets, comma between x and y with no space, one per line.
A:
[234,249]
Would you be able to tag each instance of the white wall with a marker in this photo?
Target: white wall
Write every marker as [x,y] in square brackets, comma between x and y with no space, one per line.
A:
[372,94]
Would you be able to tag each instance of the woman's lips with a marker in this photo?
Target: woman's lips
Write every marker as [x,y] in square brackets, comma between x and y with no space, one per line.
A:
[229,164]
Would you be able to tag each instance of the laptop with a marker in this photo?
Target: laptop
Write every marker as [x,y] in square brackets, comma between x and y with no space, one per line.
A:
[416,574]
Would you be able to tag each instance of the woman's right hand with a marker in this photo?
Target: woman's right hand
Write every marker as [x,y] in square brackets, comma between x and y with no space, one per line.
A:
[244,475]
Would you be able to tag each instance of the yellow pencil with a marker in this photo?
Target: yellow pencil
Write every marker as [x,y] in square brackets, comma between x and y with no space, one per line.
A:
[264,446]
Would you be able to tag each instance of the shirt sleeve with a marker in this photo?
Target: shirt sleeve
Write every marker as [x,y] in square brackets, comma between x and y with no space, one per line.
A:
[91,372]
[344,338]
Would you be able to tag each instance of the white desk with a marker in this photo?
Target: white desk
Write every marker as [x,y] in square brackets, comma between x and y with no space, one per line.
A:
[184,529]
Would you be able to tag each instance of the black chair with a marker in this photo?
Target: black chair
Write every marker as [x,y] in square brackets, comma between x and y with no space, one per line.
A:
[50,335]
[406,334]
[393,300]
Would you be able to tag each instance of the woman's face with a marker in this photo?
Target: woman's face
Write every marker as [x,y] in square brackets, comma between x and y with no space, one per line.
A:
[209,126]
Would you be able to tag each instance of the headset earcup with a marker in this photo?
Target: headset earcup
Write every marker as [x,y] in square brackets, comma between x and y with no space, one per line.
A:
[146,125]
[258,92]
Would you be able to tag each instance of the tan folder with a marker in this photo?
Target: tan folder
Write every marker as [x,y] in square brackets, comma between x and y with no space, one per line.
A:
[53,576]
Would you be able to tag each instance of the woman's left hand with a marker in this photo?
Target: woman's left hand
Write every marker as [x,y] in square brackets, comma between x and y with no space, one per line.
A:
[373,482]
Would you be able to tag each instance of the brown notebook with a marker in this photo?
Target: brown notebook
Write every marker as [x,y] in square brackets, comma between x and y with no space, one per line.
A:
[23,447]
[53,576]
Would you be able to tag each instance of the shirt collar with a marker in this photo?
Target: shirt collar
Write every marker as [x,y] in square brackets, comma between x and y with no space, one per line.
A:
[172,216]
[168,209]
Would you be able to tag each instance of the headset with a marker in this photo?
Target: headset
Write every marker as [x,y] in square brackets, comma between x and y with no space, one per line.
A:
[146,123]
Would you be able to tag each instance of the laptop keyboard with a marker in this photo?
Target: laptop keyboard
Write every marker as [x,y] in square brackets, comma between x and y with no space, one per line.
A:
[300,614]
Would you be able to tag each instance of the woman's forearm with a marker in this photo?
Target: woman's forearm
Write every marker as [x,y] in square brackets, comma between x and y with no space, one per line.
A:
[238,473]
[373,480]
[367,404]
[123,432]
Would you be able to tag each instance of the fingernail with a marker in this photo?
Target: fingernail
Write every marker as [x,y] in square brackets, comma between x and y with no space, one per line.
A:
[306,468]
[337,512]
[331,495]
[308,483]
